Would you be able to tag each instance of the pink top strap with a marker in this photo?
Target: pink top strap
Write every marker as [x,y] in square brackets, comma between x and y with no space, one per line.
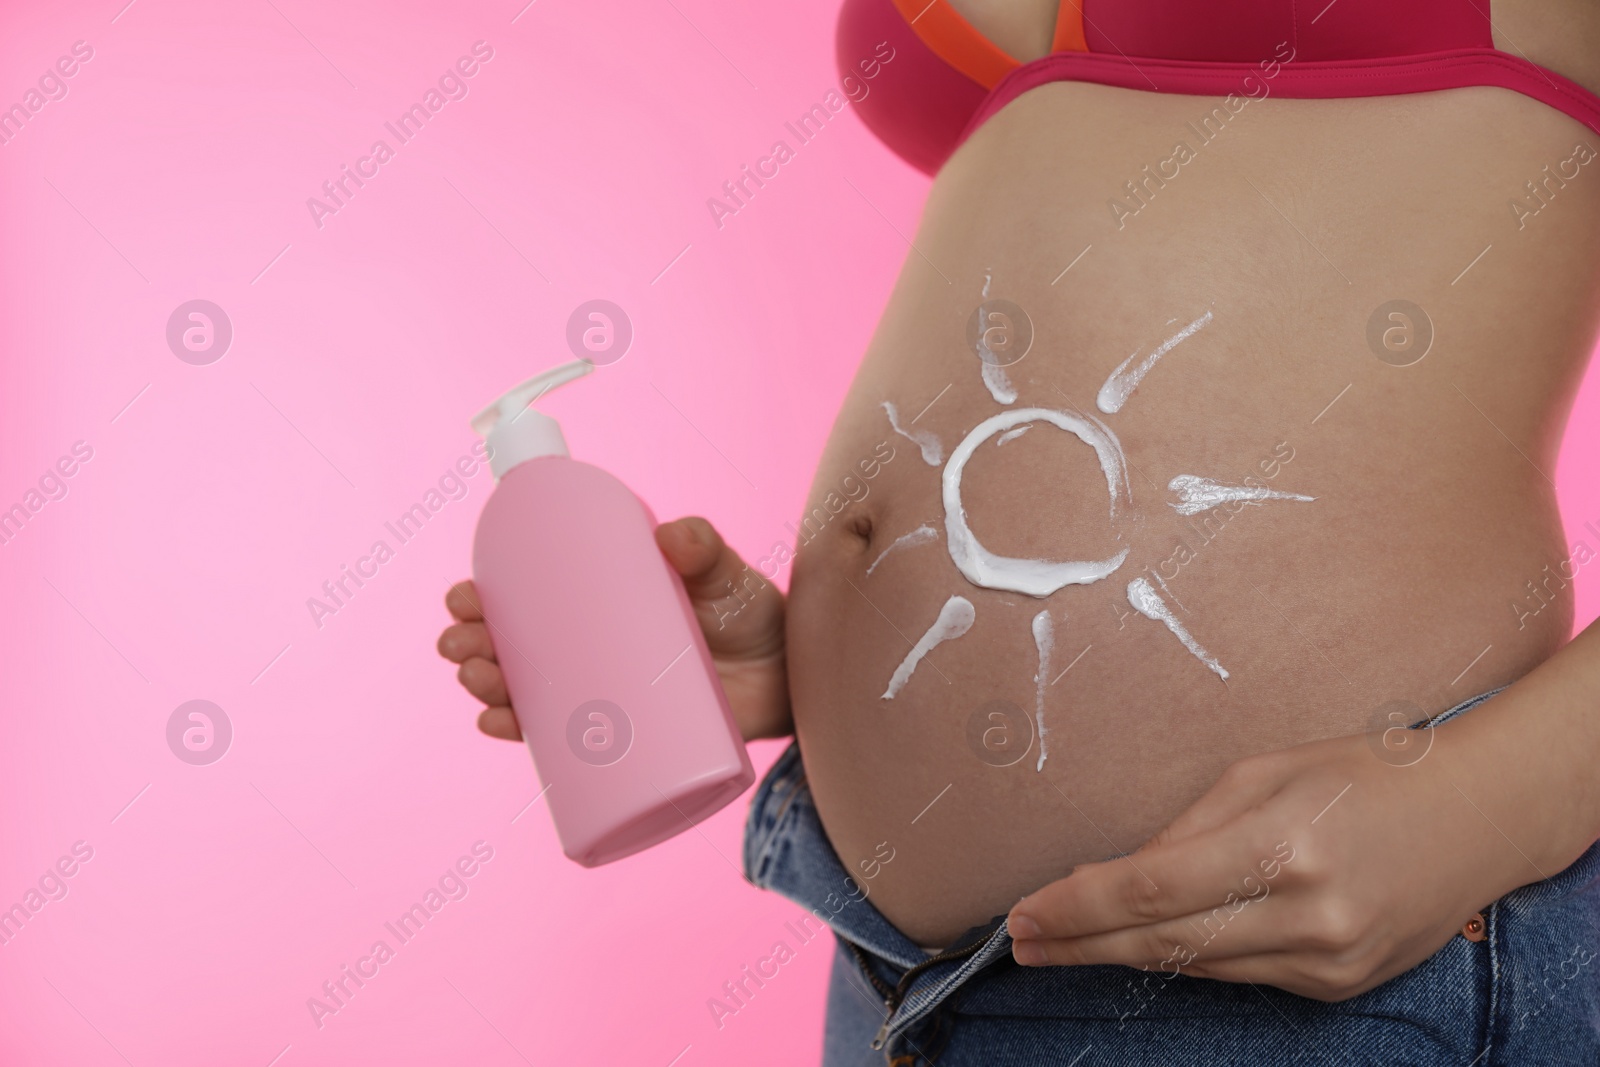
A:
[1456,69]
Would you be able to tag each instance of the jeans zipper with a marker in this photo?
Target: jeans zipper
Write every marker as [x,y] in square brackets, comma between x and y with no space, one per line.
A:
[893,997]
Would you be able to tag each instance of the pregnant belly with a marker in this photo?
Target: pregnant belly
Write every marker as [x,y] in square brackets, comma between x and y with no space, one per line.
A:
[1041,604]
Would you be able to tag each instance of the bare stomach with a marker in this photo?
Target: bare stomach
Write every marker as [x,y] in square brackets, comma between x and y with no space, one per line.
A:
[1388,572]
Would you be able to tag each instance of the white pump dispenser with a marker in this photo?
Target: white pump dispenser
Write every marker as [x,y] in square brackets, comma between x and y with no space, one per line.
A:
[514,431]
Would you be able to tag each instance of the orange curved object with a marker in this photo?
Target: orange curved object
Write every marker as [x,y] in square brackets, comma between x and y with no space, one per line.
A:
[1069,28]
[953,39]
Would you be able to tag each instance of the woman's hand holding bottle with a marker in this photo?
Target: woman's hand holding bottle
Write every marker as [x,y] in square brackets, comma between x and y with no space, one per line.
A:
[744,633]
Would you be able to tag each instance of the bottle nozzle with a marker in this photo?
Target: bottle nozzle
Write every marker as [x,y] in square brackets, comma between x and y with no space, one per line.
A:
[514,430]
[512,403]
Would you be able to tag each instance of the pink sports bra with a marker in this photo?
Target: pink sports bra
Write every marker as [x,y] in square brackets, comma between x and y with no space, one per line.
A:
[944,79]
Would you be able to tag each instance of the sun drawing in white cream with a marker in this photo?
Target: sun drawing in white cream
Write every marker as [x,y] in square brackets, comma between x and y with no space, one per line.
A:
[1042,578]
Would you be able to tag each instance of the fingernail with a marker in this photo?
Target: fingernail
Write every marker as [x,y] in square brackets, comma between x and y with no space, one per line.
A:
[1028,953]
[1020,926]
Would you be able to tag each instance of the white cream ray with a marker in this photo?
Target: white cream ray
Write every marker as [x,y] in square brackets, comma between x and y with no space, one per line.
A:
[1124,381]
[1147,602]
[920,536]
[995,377]
[955,619]
[1197,494]
[1044,639]
[928,442]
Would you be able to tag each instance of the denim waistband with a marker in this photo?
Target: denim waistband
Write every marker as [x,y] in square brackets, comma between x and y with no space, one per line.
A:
[786,850]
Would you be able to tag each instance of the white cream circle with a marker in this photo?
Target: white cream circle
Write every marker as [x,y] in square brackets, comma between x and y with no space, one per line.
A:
[1034,577]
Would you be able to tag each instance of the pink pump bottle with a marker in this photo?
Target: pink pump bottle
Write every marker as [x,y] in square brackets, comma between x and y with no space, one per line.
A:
[604,659]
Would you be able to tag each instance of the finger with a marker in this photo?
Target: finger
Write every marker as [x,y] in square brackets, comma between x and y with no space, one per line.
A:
[740,611]
[1244,926]
[483,680]
[465,640]
[700,556]
[499,722]
[462,602]
[1162,882]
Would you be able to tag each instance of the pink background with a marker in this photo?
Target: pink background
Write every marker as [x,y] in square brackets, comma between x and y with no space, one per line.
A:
[178,565]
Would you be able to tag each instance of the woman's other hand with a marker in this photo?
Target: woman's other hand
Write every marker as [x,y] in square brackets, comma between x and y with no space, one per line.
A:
[1323,869]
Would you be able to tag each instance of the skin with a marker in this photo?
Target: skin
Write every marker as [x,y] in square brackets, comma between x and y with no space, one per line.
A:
[1430,517]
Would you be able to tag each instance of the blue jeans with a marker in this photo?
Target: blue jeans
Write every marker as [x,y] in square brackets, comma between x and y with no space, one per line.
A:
[1526,995]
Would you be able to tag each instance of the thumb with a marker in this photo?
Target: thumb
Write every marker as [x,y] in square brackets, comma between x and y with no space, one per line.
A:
[740,611]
